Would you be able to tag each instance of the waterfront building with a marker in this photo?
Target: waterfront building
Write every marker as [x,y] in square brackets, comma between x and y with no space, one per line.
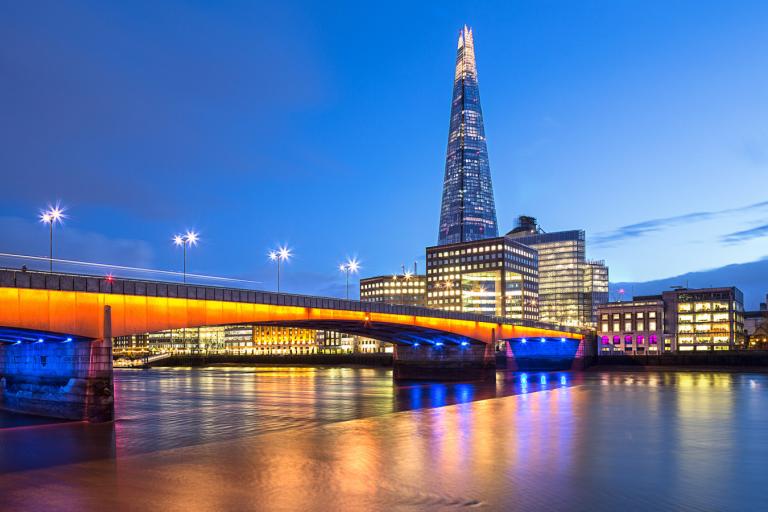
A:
[570,286]
[404,289]
[494,276]
[334,342]
[467,210]
[633,327]
[758,338]
[229,339]
[706,318]
[684,320]
[756,326]
[271,339]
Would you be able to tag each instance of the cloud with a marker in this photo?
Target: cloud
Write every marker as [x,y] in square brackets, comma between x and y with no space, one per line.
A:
[650,226]
[747,234]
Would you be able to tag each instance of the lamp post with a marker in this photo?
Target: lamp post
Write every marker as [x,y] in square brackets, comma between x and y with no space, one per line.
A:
[278,256]
[51,216]
[189,239]
[351,266]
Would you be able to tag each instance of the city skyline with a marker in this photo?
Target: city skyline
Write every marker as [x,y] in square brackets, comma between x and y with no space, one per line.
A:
[553,116]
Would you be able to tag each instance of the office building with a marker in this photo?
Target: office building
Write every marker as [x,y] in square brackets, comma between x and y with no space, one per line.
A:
[706,318]
[570,286]
[680,320]
[230,339]
[633,327]
[495,276]
[405,289]
[467,210]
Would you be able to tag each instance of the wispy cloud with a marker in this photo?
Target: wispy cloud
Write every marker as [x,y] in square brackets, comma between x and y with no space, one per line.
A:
[747,234]
[640,229]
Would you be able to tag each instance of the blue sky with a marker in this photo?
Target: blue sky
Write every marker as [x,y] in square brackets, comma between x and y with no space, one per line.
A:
[323,125]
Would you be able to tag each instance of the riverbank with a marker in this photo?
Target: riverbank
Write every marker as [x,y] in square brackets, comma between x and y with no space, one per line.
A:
[702,360]
[371,360]
[754,359]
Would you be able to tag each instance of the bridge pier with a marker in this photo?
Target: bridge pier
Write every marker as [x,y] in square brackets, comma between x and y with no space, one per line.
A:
[70,379]
[453,362]
[544,354]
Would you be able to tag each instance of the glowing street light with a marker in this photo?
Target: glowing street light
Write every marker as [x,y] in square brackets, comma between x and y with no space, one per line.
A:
[351,266]
[278,256]
[189,239]
[51,216]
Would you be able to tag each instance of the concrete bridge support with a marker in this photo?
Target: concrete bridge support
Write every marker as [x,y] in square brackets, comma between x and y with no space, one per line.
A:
[444,362]
[70,380]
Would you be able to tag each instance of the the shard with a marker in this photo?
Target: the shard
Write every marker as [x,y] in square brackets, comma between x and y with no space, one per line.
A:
[468,211]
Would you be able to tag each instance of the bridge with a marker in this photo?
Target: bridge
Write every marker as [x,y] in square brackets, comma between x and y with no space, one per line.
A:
[56,331]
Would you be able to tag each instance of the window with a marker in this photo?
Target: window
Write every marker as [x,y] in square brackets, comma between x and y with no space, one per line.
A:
[604,326]
[615,326]
[651,314]
[640,325]
[616,340]
[605,340]
[627,340]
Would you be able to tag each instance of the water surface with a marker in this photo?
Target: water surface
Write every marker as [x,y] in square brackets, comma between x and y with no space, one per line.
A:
[349,439]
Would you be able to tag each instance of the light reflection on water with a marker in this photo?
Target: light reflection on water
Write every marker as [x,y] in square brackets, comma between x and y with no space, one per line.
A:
[328,439]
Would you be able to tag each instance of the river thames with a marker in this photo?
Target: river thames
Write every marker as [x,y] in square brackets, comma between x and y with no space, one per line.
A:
[321,438]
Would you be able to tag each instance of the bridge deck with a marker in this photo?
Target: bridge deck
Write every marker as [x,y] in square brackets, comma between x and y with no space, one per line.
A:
[11,278]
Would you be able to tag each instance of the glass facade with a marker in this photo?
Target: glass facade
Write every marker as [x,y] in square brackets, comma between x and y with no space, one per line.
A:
[496,276]
[467,211]
[570,286]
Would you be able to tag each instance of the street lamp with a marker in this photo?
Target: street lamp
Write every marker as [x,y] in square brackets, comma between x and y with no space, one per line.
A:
[189,239]
[51,216]
[280,255]
[351,266]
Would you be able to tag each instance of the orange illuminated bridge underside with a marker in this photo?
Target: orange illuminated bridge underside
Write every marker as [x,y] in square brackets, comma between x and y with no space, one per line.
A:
[81,313]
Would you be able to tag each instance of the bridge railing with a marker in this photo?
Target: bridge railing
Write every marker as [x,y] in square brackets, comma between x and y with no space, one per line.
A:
[100,284]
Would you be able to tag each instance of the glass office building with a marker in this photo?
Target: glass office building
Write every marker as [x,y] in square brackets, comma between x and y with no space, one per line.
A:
[496,276]
[467,211]
[570,286]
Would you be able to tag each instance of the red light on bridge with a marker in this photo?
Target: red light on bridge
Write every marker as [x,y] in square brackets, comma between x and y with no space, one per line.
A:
[109,278]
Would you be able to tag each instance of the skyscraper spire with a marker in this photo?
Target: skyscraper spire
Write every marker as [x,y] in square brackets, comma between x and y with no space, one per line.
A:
[468,211]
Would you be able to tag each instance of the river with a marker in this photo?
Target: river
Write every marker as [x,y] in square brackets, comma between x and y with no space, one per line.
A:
[322,438]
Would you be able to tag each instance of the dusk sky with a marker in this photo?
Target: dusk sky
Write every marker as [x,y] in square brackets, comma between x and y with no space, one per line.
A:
[323,125]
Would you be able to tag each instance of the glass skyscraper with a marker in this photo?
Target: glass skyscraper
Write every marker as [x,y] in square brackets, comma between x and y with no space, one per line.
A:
[468,211]
[570,286]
